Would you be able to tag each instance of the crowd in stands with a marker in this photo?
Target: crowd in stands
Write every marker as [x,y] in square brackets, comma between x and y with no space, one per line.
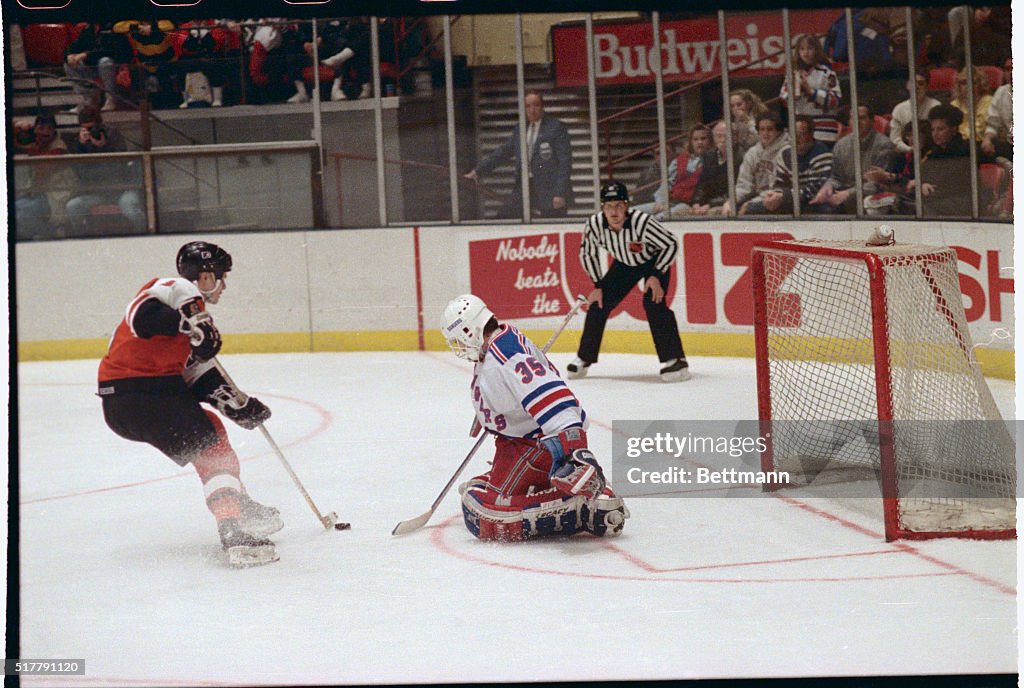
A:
[827,128]
[210,63]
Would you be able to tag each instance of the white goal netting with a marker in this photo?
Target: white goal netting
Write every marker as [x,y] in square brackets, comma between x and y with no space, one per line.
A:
[856,334]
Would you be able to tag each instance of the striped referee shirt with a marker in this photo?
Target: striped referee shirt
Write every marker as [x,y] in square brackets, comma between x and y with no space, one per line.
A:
[640,239]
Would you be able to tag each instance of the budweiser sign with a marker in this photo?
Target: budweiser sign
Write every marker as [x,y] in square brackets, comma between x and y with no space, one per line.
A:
[690,50]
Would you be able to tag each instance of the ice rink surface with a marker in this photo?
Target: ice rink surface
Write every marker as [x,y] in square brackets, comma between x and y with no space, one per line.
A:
[120,562]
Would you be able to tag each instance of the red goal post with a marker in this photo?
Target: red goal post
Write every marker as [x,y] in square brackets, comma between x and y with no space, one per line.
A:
[866,370]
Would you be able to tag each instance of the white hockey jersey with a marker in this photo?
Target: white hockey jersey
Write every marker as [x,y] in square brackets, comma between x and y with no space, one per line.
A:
[821,102]
[517,392]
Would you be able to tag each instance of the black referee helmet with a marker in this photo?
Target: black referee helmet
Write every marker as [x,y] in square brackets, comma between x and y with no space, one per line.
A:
[614,191]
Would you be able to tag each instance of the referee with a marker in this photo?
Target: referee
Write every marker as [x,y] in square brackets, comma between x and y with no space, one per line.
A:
[642,249]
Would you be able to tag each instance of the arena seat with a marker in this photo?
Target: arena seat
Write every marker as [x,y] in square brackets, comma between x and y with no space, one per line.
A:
[45,44]
[942,79]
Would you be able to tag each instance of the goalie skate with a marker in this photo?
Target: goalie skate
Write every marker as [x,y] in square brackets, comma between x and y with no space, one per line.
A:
[244,550]
[258,520]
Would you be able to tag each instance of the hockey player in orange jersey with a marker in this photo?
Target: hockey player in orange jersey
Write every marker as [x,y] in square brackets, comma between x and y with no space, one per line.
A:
[158,369]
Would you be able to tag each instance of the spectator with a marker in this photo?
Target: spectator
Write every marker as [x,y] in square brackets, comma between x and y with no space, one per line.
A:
[650,178]
[817,91]
[40,197]
[209,53]
[903,114]
[839,194]
[895,192]
[757,171]
[890,22]
[97,53]
[880,47]
[998,139]
[990,43]
[712,189]
[154,52]
[945,166]
[982,101]
[641,250]
[349,56]
[23,139]
[683,175]
[268,64]
[745,107]
[115,179]
[549,162]
[814,166]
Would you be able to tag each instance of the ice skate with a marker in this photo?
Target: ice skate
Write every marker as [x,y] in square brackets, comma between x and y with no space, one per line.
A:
[244,550]
[675,371]
[257,519]
[577,369]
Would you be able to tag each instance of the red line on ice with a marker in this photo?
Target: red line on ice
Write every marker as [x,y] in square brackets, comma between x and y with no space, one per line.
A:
[438,540]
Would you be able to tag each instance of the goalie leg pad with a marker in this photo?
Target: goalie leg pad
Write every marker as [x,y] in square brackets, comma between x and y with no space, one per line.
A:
[579,474]
[490,516]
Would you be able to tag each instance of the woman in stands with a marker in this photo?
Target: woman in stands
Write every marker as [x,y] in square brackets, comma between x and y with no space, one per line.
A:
[817,91]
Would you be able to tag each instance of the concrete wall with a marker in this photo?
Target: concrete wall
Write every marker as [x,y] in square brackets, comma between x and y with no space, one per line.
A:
[365,289]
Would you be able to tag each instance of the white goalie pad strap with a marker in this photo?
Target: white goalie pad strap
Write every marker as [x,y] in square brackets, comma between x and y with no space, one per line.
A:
[221,482]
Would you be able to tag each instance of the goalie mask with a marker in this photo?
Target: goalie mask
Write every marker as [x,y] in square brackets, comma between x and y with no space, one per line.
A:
[201,256]
[462,324]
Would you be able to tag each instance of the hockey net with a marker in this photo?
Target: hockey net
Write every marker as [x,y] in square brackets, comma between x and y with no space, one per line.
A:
[866,371]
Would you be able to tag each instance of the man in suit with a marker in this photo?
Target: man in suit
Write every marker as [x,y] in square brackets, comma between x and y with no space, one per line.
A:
[550,163]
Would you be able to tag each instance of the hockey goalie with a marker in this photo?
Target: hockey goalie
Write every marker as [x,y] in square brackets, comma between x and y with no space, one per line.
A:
[544,480]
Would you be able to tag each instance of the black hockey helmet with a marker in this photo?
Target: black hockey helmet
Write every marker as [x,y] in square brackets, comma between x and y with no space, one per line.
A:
[201,256]
[614,191]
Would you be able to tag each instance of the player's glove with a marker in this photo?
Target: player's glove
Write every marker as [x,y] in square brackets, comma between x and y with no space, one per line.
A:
[202,335]
[248,413]
[564,444]
[252,414]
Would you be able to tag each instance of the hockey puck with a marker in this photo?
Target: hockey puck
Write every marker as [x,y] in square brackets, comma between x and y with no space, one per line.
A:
[342,526]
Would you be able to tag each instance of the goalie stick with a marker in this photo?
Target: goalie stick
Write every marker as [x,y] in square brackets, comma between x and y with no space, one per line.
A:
[412,524]
[327,520]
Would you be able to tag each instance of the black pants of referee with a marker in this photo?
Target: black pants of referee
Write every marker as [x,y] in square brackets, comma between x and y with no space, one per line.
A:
[615,286]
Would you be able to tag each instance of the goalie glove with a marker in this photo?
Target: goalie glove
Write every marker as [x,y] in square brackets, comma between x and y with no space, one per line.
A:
[248,412]
[564,444]
[202,333]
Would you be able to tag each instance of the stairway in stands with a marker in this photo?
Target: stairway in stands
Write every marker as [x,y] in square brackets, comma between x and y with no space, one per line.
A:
[496,102]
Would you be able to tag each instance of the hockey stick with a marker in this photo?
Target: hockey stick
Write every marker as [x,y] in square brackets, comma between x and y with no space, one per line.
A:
[412,524]
[327,520]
